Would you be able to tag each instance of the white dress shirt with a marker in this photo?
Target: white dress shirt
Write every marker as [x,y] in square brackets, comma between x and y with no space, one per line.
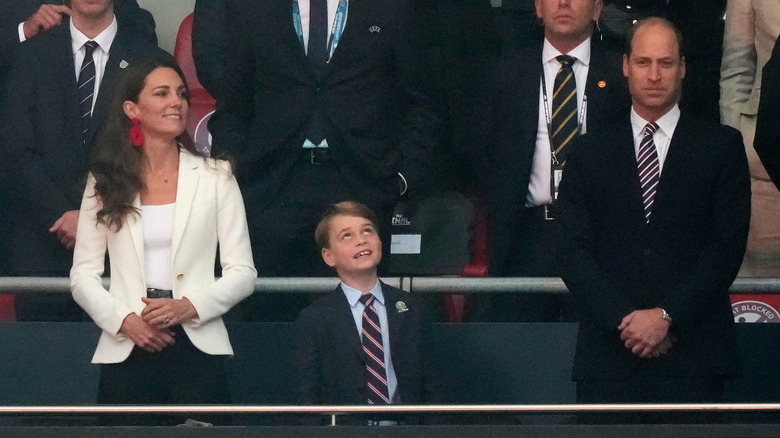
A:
[353,297]
[663,135]
[539,184]
[100,55]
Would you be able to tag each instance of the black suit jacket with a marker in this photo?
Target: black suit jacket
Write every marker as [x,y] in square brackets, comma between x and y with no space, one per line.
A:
[45,162]
[767,139]
[13,12]
[506,121]
[683,261]
[374,102]
[329,353]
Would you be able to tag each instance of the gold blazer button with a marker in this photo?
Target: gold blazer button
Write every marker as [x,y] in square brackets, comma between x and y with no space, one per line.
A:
[180,276]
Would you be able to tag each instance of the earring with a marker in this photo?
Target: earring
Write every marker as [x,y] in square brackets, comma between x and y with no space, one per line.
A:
[136,135]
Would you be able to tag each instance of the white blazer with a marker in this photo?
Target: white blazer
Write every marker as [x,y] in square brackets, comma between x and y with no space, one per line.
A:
[209,211]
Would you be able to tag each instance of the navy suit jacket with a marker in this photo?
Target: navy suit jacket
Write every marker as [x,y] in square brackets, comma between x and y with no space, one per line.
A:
[330,358]
[373,99]
[506,121]
[683,261]
[45,161]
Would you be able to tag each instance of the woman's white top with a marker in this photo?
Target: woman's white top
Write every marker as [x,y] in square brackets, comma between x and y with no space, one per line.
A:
[158,240]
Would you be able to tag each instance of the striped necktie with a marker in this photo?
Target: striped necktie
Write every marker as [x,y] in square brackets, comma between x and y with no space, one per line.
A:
[649,169]
[564,102]
[86,87]
[375,354]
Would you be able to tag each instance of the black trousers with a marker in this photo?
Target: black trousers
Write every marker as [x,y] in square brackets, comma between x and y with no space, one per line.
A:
[650,389]
[179,374]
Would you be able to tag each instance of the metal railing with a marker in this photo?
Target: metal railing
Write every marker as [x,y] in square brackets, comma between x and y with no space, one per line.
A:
[550,285]
[336,411]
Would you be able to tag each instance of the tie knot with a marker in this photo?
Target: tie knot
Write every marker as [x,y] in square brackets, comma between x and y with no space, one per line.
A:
[367,299]
[565,60]
[650,128]
[90,47]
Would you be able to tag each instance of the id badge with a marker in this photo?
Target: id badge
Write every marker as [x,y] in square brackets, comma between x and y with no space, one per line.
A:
[555,180]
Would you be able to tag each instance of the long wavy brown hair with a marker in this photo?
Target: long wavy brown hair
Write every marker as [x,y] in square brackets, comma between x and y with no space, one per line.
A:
[116,164]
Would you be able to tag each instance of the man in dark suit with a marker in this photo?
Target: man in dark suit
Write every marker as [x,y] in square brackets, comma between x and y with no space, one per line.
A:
[767,139]
[513,120]
[320,110]
[366,342]
[48,135]
[21,20]
[655,210]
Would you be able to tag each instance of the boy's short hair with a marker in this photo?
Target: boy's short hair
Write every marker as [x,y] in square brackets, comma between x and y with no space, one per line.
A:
[344,208]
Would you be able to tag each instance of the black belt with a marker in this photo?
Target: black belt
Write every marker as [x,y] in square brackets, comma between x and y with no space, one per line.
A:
[158,293]
[547,212]
[315,155]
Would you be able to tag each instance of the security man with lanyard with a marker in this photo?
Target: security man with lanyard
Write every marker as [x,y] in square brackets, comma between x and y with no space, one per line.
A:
[527,137]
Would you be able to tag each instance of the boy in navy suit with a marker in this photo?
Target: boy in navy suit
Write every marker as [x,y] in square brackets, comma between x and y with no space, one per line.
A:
[366,341]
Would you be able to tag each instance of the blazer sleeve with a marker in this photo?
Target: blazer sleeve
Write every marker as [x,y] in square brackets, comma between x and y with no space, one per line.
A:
[595,292]
[210,45]
[88,264]
[235,253]
[421,120]
[231,122]
[738,67]
[137,20]
[721,255]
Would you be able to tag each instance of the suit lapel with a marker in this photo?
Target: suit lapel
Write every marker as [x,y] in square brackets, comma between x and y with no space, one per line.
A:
[597,84]
[395,319]
[185,195]
[117,60]
[626,159]
[355,16]
[675,168]
[65,72]
[341,318]
[136,226]
[287,28]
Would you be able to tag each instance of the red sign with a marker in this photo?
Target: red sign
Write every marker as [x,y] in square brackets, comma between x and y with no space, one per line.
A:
[756,307]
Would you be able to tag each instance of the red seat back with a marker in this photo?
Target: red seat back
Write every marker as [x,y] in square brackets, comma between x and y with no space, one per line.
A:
[202,104]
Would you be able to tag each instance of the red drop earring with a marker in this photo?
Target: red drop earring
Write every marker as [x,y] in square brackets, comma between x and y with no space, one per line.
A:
[136,135]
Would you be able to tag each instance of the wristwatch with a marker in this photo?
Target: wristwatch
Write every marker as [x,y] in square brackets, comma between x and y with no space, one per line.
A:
[665,315]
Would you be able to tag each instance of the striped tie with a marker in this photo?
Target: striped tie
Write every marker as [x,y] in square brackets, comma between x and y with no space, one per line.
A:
[564,117]
[86,87]
[375,354]
[649,169]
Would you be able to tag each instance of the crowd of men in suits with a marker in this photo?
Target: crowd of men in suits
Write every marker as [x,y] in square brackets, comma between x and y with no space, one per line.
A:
[590,167]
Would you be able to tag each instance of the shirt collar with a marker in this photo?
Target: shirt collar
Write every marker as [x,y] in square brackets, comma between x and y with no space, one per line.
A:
[353,295]
[581,52]
[104,39]
[666,123]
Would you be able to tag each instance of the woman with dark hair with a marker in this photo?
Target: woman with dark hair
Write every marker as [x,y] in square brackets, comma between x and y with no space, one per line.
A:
[160,209]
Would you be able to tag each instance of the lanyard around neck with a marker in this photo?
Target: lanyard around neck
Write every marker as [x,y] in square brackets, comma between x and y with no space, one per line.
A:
[336,31]
[548,116]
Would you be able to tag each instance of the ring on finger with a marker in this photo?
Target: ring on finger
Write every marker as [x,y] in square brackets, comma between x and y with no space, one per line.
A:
[166,320]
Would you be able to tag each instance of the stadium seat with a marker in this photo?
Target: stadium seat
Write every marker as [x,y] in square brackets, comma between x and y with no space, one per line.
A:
[202,104]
